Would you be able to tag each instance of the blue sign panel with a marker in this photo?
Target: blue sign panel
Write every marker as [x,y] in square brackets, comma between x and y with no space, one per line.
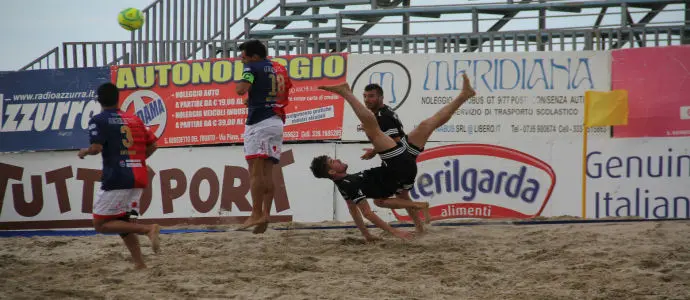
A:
[48,109]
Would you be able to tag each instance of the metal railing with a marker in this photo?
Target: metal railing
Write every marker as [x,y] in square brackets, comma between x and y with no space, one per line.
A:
[93,54]
[495,16]
[195,21]
[191,20]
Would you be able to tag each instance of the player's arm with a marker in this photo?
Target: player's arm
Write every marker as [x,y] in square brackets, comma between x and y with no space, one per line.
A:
[363,206]
[150,149]
[151,145]
[369,153]
[357,217]
[246,82]
[96,139]
[94,149]
[389,125]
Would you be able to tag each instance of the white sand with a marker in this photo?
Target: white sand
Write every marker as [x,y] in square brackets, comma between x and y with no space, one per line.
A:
[648,260]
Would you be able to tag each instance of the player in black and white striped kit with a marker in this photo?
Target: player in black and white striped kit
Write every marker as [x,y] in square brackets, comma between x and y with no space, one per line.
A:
[399,167]
[390,125]
[387,119]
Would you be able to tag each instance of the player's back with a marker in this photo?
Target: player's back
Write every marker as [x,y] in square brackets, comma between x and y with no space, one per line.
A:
[124,138]
[268,94]
[389,122]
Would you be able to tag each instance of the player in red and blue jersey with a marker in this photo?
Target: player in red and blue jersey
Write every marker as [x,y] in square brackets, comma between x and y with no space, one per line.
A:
[268,86]
[124,143]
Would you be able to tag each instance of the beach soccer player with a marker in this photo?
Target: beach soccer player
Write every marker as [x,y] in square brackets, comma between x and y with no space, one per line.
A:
[267,85]
[398,170]
[124,143]
[390,124]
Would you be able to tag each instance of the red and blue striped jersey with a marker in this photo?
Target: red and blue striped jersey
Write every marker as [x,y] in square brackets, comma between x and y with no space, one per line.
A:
[124,138]
[268,95]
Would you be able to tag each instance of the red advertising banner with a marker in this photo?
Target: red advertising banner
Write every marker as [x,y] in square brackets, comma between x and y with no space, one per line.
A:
[658,84]
[194,102]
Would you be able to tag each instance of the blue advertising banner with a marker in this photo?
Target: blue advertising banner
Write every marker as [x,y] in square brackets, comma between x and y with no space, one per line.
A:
[48,109]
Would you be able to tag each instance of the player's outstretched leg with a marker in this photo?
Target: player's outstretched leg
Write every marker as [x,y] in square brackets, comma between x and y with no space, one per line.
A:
[405,194]
[128,231]
[420,135]
[377,138]
[413,208]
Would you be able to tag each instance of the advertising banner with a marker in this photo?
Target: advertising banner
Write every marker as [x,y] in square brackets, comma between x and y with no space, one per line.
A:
[646,178]
[48,109]
[195,103]
[519,95]
[658,83]
[208,185]
[483,181]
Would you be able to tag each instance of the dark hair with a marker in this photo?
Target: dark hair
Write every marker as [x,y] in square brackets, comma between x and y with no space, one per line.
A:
[108,94]
[374,87]
[254,47]
[319,166]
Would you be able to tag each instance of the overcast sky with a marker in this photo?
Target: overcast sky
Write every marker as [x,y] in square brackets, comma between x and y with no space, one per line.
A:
[31,28]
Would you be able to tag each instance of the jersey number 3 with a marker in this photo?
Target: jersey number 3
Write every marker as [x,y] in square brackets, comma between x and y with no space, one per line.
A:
[128,140]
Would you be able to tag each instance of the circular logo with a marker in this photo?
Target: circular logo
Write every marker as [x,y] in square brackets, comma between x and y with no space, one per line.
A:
[149,107]
[393,77]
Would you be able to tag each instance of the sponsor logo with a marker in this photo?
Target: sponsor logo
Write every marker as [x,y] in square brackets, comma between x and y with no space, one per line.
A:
[393,77]
[53,114]
[149,107]
[570,73]
[481,181]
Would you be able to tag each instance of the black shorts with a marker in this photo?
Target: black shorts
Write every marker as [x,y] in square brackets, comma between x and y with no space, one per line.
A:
[414,150]
[401,164]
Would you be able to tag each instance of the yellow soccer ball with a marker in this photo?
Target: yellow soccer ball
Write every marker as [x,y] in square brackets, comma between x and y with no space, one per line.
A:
[130,19]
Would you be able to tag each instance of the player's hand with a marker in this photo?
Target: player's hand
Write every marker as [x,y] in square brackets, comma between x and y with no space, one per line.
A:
[368,154]
[82,153]
[405,235]
[371,238]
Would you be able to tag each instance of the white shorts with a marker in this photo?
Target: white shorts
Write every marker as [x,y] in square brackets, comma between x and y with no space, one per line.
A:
[116,203]
[264,139]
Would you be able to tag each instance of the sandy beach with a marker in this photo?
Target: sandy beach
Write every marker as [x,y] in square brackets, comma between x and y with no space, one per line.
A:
[648,260]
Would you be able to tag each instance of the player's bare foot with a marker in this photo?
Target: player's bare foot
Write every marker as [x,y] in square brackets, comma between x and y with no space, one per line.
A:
[425,211]
[467,89]
[340,89]
[139,267]
[154,236]
[372,239]
[261,228]
[250,222]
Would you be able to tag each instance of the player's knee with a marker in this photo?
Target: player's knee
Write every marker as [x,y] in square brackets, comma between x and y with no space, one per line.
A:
[98,226]
[369,215]
[379,202]
[426,124]
[268,177]
[125,218]
[256,178]
[268,183]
